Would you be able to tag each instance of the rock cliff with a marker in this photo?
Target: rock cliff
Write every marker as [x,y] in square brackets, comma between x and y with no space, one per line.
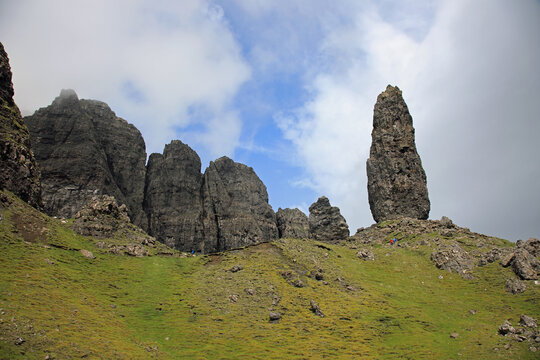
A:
[292,223]
[83,150]
[235,207]
[326,222]
[19,172]
[173,197]
[396,180]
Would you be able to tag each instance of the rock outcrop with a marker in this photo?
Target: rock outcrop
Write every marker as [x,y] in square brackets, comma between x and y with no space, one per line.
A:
[326,222]
[173,202]
[396,180]
[19,172]
[235,207]
[453,258]
[101,217]
[292,223]
[84,149]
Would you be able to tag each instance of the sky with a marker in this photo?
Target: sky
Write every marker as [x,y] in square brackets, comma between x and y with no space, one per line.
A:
[288,87]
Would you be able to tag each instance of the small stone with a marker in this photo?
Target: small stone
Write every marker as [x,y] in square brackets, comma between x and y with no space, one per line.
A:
[472,312]
[87,254]
[19,341]
[533,348]
[299,283]
[274,316]
[236,268]
[233,298]
[507,346]
[454,335]
[251,291]
[316,309]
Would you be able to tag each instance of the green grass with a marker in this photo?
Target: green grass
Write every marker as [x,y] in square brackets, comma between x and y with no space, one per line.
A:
[169,307]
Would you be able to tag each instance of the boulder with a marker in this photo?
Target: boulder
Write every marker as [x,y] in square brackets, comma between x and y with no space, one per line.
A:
[19,172]
[528,321]
[525,265]
[236,212]
[452,258]
[87,254]
[326,222]
[506,328]
[292,223]
[84,149]
[173,197]
[366,254]
[274,316]
[397,185]
[315,308]
[515,286]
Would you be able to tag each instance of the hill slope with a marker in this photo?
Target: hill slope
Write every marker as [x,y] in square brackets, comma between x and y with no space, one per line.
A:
[56,302]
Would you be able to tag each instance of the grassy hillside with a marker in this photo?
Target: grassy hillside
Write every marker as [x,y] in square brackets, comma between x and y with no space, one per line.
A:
[55,302]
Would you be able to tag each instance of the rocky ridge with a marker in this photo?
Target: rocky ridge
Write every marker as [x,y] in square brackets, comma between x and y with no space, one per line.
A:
[19,170]
[396,180]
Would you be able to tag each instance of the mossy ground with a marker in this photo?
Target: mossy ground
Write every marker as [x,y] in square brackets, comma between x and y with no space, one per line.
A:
[167,307]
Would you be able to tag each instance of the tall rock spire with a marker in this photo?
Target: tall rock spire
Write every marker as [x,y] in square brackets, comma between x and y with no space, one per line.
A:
[396,180]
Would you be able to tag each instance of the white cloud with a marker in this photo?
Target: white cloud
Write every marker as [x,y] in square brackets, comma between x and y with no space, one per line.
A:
[173,55]
[471,85]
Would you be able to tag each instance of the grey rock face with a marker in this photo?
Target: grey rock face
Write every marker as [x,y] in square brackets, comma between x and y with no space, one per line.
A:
[83,150]
[396,180]
[326,222]
[173,202]
[235,207]
[19,171]
[292,223]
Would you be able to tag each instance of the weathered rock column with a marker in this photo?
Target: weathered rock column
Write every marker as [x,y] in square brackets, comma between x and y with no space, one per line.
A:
[396,180]
[326,222]
[19,171]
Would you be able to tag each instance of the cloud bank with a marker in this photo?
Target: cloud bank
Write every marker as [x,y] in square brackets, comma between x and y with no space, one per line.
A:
[157,64]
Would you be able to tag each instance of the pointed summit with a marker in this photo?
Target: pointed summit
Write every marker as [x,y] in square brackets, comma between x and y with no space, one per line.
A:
[397,185]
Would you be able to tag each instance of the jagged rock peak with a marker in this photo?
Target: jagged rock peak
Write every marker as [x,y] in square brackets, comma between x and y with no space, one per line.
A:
[292,223]
[83,150]
[397,185]
[326,222]
[172,201]
[19,172]
[236,212]
[66,96]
